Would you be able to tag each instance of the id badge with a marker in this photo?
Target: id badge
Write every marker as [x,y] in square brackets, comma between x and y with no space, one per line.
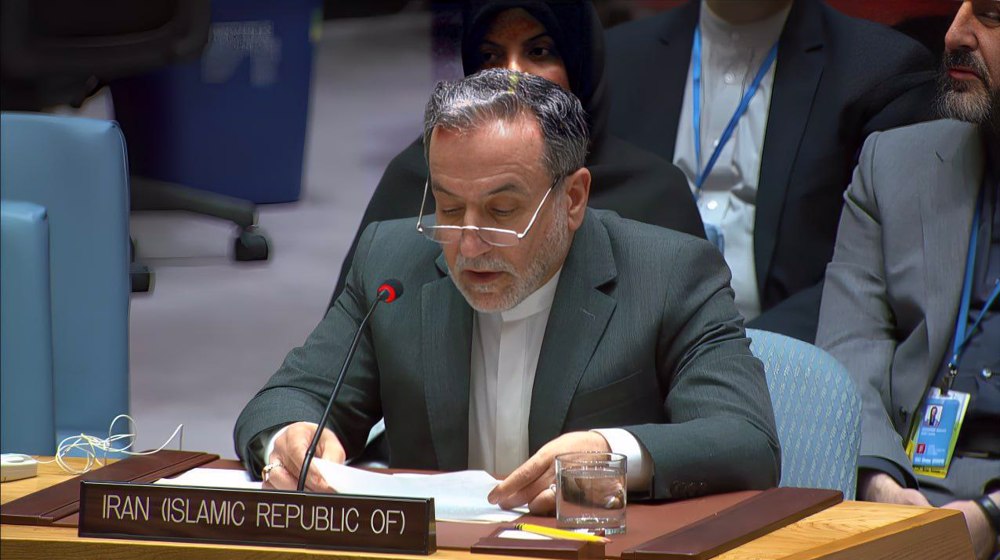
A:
[932,445]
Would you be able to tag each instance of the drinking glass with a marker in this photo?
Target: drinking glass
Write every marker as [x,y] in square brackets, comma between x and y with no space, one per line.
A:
[590,491]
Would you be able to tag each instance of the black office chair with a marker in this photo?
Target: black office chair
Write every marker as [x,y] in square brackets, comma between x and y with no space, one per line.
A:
[62,51]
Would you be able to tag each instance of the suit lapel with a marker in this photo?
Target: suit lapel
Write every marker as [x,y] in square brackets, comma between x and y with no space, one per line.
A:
[446,329]
[669,75]
[946,211]
[797,74]
[580,313]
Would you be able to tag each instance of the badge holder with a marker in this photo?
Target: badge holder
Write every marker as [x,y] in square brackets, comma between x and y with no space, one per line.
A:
[932,443]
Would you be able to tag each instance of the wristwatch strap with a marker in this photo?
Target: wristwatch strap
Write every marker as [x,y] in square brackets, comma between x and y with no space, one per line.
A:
[992,511]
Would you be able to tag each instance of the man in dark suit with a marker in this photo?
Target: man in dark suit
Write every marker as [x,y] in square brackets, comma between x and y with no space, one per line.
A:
[562,42]
[776,189]
[532,327]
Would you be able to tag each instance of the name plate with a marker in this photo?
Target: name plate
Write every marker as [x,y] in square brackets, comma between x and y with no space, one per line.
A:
[257,517]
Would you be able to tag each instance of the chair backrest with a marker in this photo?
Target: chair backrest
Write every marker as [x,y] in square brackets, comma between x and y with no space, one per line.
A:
[76,168]
[53,49]
[26,398]
[817,410]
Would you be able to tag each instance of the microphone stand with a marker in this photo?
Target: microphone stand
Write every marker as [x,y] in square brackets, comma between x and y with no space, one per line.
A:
[383,294]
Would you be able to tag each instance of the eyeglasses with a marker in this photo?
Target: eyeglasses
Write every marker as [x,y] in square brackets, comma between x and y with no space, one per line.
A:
[496,237]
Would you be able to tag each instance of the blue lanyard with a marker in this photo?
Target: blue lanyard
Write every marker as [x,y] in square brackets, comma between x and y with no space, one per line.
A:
[744,104]
[963,335]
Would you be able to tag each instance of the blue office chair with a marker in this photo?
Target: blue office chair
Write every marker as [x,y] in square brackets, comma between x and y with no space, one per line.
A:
[26,397]
[76,169]
[817,410]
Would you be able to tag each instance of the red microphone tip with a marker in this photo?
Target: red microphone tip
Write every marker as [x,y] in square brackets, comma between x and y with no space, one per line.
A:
[390,290]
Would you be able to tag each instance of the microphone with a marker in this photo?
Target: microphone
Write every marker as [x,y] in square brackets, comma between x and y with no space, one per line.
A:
[389,291]
[392,289]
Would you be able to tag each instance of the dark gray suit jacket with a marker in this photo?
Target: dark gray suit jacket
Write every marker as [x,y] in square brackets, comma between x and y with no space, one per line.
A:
[643,334]
[891,295]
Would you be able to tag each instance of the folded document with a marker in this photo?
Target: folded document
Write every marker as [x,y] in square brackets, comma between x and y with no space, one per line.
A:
[458,496]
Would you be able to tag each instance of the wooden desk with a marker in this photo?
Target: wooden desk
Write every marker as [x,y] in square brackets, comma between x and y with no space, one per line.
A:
[850,530]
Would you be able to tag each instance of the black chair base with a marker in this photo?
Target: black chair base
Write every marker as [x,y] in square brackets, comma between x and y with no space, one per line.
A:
[250,244]
[141,278]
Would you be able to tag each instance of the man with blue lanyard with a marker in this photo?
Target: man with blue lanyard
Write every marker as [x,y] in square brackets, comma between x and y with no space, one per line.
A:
[911,304]
[764,105]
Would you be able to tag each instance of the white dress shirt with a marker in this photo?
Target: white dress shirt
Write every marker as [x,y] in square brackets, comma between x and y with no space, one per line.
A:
[505,351]
[731,56]
[508,342]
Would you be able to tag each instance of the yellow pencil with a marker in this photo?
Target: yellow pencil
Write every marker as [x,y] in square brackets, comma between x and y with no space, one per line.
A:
[559,533]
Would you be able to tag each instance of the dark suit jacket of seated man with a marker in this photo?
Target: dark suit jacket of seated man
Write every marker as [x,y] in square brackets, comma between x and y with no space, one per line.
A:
[836,80]
[642,334]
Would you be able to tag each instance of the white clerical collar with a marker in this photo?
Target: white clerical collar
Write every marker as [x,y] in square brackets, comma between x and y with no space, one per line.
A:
[540,300]
[758,33]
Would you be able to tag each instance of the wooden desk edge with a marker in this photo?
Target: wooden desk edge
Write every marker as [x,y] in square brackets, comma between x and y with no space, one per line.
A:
[897,540]
[24,542]
[893,537]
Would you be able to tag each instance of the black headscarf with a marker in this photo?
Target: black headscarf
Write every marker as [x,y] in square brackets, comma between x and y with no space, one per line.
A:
[579,38]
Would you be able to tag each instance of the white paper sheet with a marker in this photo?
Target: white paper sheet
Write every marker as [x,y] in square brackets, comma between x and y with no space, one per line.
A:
[458,496]
[213,478]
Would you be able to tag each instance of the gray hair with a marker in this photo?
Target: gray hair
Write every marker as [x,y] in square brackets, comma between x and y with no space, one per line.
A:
[505,95]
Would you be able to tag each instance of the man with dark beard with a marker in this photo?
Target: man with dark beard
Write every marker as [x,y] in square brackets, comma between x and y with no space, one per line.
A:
[911,304]
[532,326]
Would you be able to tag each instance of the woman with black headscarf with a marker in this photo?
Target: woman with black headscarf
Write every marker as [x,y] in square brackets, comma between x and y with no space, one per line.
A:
[562,41]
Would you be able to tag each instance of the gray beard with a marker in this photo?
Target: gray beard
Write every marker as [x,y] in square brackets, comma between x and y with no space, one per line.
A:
[557,239]
[978,105]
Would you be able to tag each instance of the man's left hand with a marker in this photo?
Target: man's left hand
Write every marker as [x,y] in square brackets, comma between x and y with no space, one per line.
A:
[530,483]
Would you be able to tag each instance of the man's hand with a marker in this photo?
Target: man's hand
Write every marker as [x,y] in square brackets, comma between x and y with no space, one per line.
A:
[874,486]
[880,487]
[984,538]
[290,451]
[530,483]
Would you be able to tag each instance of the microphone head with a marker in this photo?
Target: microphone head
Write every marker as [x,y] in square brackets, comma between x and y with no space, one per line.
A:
[390,290]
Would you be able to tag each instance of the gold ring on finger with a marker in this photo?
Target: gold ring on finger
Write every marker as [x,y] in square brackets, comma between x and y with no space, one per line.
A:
[265,473]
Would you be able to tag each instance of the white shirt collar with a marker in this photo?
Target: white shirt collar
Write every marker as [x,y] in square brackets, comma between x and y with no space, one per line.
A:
[762,33]
[538,301]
